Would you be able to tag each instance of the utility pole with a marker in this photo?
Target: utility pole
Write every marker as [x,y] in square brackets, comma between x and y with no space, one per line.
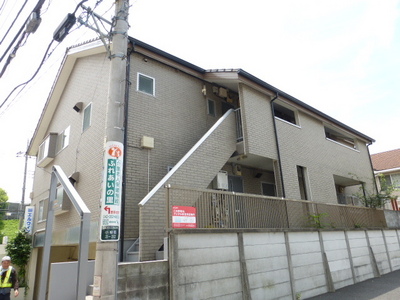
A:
[107,252]
[21,207]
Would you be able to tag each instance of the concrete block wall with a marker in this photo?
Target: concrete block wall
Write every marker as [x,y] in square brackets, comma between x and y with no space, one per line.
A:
[146,280]
[277,265]
[267,265]
[203,164]
[207,268]
[307,263]
[360,255]
[338,255]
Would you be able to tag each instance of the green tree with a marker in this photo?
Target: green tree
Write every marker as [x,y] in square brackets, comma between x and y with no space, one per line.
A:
[377,200]
[3,206]
[3,196]
[19,249]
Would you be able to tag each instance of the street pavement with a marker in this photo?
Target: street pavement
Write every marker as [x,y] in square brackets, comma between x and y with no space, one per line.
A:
[386,287]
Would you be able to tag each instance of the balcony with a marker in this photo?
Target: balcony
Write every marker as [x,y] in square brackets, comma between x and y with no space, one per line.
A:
[225,210]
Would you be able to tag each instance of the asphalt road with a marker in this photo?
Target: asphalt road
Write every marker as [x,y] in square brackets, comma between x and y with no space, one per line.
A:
[386,287]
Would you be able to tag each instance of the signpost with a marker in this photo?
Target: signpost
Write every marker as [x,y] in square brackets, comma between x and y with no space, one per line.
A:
[184,217]
[112,189]
[28,220]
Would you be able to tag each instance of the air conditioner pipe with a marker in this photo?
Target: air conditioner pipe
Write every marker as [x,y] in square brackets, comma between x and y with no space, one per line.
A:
[277,144]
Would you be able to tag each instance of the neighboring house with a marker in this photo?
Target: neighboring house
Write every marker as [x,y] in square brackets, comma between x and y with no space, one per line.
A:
[387,172]
[185,126]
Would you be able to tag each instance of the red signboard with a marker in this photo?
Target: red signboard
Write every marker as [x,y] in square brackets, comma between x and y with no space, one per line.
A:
[184,217]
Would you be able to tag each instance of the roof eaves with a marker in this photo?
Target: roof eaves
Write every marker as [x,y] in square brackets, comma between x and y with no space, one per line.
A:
[302,104]
[166,55]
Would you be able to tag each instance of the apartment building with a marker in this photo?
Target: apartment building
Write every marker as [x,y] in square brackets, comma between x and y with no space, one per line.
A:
[188,127]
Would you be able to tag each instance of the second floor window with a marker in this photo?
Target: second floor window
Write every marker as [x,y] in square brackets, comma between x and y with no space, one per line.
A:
[340,138]
[284,113]
[145,84]
[87,117]
[63,139]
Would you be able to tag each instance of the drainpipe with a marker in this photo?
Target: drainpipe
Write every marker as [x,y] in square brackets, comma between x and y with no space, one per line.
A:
[126,114]
[372,168]
[277,144]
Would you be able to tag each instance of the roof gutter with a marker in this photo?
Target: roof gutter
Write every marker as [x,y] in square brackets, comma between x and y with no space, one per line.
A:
[302,104]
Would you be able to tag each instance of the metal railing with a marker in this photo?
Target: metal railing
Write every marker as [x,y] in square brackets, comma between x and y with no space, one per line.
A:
[219,209]
[58,176]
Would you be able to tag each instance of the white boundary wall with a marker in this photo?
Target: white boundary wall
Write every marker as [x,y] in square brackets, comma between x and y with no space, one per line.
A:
[277,265]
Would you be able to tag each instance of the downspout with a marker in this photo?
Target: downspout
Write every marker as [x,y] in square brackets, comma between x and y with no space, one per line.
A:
[126,101]
[277,144]
[372,168]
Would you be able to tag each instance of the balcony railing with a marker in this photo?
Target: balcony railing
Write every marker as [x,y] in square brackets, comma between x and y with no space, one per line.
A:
[219,209]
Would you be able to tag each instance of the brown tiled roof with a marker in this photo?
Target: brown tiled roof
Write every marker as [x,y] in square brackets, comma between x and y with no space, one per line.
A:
[386,160]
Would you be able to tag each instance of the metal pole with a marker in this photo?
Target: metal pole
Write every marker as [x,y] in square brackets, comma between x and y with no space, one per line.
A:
[106,263]
[21,207]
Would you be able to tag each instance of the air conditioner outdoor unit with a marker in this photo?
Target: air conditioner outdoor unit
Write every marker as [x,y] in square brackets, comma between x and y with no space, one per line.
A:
[220,182]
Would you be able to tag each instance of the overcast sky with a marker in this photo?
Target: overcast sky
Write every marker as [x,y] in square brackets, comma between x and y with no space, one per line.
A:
[342,57]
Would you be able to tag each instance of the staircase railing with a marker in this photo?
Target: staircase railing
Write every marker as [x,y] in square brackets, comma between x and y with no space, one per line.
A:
[58,175]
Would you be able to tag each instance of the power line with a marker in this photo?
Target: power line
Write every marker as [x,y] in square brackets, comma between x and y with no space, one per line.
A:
[35,10]
[13,22]
[61,32]
[33,76]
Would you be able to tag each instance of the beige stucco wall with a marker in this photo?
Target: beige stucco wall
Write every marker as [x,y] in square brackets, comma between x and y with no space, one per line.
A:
[258,123]
[176,117]
[305,145]
[88,83]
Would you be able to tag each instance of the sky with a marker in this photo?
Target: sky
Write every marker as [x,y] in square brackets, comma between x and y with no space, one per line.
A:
[341,57]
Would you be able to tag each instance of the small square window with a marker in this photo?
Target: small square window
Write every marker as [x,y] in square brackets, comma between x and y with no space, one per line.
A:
[87,117]
[145,84]
[211,107]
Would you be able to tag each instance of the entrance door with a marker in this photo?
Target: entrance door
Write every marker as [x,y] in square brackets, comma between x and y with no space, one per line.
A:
[235,184]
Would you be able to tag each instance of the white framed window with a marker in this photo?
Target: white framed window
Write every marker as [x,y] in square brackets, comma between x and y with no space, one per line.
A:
[211,107]
[42,210]
[285,113]
[87,117]
[145,84]
[63,139]
[390,180]
[340,137]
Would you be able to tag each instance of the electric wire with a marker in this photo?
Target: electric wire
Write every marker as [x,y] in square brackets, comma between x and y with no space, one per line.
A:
[1,7]
[33,76]
[4,21]
[14,52]
[45,57]
[36,9]
[13,22]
